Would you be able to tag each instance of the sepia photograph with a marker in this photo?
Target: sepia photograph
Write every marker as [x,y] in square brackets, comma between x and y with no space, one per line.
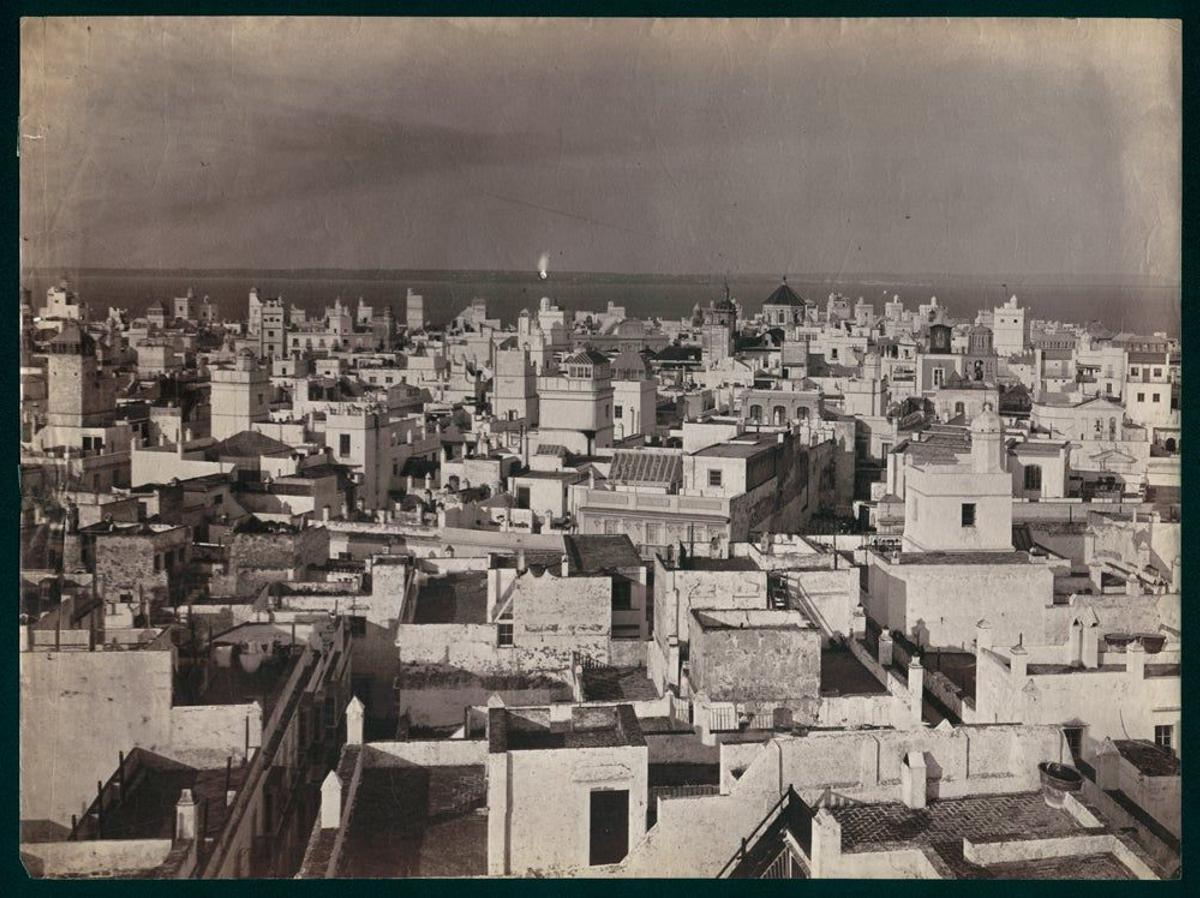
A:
[652,448]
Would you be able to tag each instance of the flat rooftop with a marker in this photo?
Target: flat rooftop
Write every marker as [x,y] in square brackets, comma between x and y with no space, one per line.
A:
[843,674]
[697,563]
[234,685]
[608,684]
[595,554]
[458,598]
[751,619]
[972,557]
[147,810]
[739,448]
[417,821]
[942,825]
[609,726]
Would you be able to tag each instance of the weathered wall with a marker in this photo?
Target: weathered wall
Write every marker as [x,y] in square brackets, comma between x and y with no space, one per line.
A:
[551,790]
[828,596]
[755,663]
[1160,796]
[555,616]
[940,604]
[694,837]
[279,550]
[1122,613]
[1112,703]
[118,699]
[219,730]
[110,856]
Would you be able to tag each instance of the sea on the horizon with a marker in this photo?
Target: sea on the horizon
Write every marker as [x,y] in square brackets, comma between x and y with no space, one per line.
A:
[1139,308]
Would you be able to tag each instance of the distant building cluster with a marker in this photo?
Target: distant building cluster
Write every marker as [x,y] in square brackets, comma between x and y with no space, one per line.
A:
[813,591]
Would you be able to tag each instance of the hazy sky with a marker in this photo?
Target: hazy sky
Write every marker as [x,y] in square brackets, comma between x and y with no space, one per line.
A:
[941,146]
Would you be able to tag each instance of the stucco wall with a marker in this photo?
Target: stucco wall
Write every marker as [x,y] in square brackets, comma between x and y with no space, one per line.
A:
[941,603]
[549,818]
[755,663]
[118,699]
[215,729]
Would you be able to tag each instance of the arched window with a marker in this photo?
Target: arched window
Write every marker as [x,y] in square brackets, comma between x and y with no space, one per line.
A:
[1170,444]
[802,412]
[959,409]
[779,415]
[756,413]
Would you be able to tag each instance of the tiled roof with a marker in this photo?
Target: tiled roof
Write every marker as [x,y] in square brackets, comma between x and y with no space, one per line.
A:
[640,466]
[586,357]
[591,554]
[783,296]
[250,444]
[1147,757]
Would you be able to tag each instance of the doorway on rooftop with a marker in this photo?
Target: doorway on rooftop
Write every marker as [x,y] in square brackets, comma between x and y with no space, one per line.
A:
[608,839]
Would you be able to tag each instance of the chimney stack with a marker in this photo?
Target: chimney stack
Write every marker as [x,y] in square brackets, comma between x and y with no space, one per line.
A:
[185,816]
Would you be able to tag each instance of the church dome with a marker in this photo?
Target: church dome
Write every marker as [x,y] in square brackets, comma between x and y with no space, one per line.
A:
[987,421]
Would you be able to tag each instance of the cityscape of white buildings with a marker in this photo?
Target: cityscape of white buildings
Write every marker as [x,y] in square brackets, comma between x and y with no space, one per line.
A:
[821,590]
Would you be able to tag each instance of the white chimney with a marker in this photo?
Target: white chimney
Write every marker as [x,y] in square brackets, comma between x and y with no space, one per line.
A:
[185,816]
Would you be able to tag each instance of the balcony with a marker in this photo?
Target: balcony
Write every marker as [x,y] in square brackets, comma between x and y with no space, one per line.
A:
[658,504]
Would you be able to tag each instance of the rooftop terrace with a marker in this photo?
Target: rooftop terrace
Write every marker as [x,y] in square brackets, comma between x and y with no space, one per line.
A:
[417,821]
[587,727]
[942,825]
[458,598]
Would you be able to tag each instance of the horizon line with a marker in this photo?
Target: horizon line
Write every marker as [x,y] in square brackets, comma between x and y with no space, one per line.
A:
[1092,279]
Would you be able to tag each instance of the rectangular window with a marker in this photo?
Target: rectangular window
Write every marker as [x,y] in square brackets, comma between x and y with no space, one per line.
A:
[609,827]
[344,444]
[1141,397]
[619,411]
[939,376]
[504,635]
[158,563]
[1156,397]
[1164,735]
[1074,737]
[653,534]
[1158,372]
[622,595]
[1133,372]
[968,514]
[1033,477]
[714,477]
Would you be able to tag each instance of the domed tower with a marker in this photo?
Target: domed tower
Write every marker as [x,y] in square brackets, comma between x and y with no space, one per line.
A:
[987,441]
